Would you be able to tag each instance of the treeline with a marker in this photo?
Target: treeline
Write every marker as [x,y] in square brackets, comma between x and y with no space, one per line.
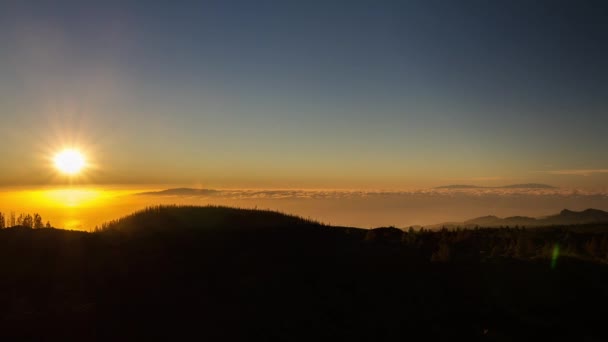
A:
[23,220]
[589,242]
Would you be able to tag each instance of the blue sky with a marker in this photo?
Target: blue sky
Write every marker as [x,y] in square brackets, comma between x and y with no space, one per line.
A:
[307,94]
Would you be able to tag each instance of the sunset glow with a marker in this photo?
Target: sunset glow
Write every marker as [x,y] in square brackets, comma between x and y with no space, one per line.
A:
[377,170]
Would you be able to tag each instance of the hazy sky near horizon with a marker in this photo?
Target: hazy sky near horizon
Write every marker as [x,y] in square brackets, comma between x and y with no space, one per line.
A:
[83,208]
[340,94]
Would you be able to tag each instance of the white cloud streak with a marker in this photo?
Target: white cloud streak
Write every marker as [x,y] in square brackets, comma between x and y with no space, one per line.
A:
[355,194]
[576,172]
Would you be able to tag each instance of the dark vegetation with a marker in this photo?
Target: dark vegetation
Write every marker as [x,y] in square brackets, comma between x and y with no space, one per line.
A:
[219,273]
[23,220]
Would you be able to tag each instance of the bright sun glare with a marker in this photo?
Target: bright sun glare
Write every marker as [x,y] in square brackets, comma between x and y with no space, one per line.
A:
[69,161]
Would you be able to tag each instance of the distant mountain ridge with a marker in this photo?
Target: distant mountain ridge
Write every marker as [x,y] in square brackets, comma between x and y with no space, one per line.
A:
[565,217]
[512,186]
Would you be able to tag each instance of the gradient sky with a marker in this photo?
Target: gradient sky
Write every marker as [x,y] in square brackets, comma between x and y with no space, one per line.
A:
[339,94]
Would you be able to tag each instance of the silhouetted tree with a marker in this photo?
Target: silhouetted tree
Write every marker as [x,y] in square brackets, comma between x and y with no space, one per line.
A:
[571,247]
[523,247]
[13,221]
[48,224]
[604,242]
[2,221]
[442,254]
[497,250]
[27,221]
[38,221]
[370,235]
[410,237]
[592,247]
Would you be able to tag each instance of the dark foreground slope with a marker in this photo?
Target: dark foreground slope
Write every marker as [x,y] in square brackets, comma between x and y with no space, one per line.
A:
[228,274]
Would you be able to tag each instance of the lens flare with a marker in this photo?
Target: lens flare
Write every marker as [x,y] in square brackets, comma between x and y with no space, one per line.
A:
[554,256]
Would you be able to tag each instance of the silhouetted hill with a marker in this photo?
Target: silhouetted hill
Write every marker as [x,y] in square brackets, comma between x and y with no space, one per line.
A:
[564,218]
[569,217]
[204,217]
[217,273]
[483,221]
[513,186]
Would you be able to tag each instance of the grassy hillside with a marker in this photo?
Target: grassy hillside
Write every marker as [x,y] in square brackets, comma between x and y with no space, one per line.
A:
[230,274]
[163,218]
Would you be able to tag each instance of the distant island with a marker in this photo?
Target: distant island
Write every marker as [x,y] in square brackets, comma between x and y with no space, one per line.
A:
[512,186]
[565,217]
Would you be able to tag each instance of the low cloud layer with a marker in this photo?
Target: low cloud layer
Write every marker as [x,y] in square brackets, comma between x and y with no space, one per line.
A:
[400,208]
[577,172]
[355,194]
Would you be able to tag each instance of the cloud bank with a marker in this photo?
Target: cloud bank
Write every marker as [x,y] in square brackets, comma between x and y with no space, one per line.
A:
[374,208]
[243,194]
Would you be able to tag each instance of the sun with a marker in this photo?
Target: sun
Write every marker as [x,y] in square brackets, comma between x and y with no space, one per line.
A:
[69,161]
